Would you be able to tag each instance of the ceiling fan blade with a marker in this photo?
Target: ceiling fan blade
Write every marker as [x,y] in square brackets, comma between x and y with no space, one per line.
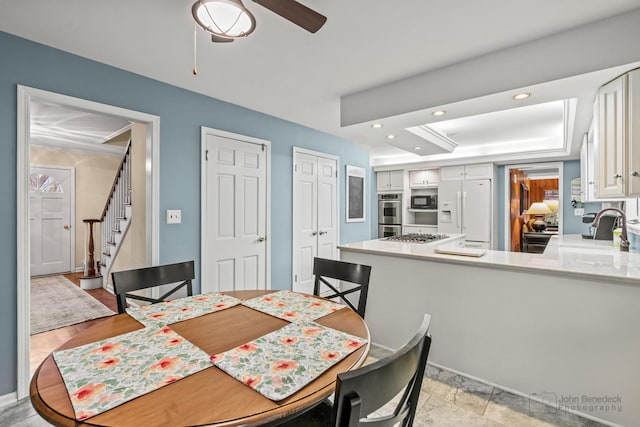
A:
[295,12]
[218,39]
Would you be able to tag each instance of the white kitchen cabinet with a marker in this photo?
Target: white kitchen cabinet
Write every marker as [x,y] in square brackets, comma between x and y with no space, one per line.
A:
[587,168]
[421,229]
[390,180]
[477,171]
[618,149]
[424,178]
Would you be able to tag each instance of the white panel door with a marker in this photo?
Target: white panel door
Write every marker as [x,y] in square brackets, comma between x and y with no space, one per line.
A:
[315,215]
[305,222]
[327,209]
[50,220]
[236,197]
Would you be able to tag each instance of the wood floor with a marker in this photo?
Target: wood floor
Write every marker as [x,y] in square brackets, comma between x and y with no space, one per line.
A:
[40,345]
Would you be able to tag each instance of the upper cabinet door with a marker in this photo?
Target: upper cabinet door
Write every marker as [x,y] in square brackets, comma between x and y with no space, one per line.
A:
[479,171]
[612,138]
[396,180]
[451,173]
[390,180]
[382,181]
[633,144]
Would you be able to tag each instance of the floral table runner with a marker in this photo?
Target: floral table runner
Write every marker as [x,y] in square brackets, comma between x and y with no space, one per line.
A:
[177,310]
[293,306]
[280,363]
[102,375]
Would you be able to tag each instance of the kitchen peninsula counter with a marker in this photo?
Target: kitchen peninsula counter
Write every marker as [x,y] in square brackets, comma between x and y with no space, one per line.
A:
[564,323]
[568,255]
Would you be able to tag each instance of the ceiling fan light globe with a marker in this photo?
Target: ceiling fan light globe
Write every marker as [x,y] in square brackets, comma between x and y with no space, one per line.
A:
[224,18]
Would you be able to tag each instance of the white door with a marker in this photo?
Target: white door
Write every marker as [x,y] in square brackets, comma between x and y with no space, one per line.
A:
[315,213]
[236,215]
[50,220]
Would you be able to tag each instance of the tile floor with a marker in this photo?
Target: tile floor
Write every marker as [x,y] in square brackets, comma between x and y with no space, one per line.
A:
[447,400]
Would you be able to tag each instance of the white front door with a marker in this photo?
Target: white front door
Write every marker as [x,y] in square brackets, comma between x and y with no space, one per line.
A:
[236,214]
[315,214]
[50,196]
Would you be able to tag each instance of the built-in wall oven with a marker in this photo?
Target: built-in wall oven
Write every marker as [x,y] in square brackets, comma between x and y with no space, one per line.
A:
[389,230]
[389,214]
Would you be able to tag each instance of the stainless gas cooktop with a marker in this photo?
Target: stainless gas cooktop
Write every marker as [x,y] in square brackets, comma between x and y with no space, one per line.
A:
[416,238]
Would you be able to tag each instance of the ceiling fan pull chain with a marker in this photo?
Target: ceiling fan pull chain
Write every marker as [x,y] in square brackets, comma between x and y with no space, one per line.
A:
[195,56]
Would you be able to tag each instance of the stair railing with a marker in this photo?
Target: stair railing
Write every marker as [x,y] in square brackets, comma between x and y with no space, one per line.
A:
[114,210]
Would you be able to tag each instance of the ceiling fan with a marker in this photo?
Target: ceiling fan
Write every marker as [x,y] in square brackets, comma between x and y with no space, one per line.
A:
[227,20]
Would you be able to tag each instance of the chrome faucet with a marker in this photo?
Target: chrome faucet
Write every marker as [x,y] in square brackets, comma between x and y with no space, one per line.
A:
[624,240]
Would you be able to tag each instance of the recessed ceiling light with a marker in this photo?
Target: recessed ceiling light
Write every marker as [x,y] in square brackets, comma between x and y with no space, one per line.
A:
[417,148]
[391,136]
[376,125]
[521,96]
[439,113]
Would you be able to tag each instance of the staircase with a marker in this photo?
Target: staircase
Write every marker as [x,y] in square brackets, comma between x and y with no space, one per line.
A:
[116,217]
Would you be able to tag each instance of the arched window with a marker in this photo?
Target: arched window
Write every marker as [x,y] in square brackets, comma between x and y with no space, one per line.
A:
[44,184]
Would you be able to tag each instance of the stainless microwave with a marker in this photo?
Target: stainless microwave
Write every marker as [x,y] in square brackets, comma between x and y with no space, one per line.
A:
[424,202]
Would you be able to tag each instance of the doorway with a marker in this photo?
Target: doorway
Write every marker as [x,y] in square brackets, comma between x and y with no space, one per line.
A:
[526,184]
[26,97]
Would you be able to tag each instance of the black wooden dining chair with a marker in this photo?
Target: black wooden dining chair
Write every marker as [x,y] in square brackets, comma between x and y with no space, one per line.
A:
[127,281]
[356,274]
[369,389]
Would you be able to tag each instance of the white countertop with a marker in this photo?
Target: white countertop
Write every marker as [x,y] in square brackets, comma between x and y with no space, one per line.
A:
[565,254]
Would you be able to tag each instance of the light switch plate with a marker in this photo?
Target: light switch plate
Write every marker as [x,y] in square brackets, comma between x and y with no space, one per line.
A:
[174,216]
[578,211]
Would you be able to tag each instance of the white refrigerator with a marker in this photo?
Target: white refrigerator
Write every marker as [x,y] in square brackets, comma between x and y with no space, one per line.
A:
[465,207]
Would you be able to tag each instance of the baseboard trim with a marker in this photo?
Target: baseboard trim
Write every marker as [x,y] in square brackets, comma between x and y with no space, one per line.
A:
[8,399]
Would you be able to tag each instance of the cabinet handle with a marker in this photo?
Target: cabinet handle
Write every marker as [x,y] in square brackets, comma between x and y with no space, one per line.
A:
[322,232]
[262,239]
[635,173]
[315,233]
[616,176]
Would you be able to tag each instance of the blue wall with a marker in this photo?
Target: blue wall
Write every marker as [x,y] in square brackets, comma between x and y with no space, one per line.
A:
[181,114]
[573,224]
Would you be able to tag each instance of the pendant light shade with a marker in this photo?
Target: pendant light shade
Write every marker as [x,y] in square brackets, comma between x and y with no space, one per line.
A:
[228,19]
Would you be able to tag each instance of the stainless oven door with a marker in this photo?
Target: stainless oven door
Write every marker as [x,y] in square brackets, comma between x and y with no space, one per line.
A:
[389,230]
[389,212]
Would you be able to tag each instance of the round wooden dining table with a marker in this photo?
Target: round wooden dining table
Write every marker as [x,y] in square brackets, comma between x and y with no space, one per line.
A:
[210,397]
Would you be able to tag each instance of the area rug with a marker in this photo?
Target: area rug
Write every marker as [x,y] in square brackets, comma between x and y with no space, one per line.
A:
[56,302]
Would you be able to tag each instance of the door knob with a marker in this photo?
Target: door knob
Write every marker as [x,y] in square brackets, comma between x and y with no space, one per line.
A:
[66,227]
[261,238]
[635,173]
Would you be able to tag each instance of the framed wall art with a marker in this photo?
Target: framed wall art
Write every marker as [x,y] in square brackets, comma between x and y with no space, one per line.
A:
[356,185]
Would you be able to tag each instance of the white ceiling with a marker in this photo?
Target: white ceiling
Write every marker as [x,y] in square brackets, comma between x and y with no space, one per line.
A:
[286,72]
[61,127]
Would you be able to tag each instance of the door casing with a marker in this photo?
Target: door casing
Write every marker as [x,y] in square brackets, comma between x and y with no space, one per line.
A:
[25,96]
